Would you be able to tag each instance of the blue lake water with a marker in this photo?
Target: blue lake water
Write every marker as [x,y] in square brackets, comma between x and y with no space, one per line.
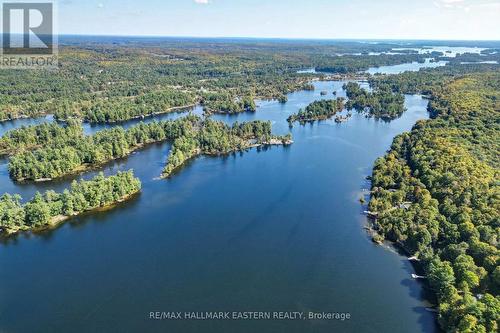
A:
[408,67]
[392,69]
[449,51]
[276,229]
[88,128]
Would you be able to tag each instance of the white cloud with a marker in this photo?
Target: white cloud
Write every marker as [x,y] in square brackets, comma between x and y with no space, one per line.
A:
[202,2]
[100,5]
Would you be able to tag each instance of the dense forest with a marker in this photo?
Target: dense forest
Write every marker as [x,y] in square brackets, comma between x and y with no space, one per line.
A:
[52,208]
[317,110]
[382,103]
[226,103]
[427,81]
[110,83]
[44,155]
[436,194]
[80,152]
[36,136]
[110,110]
[106,82]
[486,56]
[216,138]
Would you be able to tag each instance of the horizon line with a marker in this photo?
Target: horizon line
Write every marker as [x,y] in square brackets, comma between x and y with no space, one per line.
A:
[279,38]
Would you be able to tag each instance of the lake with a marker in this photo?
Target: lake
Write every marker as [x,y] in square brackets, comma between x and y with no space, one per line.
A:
[392,69]
[407,67]
[276,229]
[449,51]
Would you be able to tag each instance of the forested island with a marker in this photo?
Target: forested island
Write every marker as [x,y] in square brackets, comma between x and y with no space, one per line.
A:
[52,208]
[216,138]
[382,103]
[436,192]
[318,110]
[226,103]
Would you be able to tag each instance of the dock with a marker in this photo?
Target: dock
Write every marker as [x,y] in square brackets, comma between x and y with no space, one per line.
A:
[371,214]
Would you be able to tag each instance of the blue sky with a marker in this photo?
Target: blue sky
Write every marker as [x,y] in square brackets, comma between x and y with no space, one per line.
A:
[379,19]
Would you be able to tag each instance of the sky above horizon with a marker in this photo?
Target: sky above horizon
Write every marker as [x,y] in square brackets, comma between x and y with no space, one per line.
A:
[330,19]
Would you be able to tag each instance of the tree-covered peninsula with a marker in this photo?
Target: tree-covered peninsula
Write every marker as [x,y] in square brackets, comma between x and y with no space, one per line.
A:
[436,193]
[216,138]
[82,152]
[51,151]
[37,136]
[318,110]
[381,103]
[120,108]
[52,208]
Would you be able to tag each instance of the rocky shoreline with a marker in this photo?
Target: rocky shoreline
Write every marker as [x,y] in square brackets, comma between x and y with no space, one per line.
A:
[58,219]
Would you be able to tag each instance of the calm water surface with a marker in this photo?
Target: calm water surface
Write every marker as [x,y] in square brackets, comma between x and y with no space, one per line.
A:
[27,190]
[92,128]
[273,230]
[449,51]
[408,67]
[392,69]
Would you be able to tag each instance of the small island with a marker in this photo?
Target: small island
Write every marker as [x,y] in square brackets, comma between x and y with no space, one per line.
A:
[50,209]
[317,110]
[226,103]
[381,103]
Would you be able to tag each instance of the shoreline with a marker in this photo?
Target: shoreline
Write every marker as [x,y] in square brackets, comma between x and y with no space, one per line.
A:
[21,116]
[57,220]
[85,167]
[271,142]
[174,109]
